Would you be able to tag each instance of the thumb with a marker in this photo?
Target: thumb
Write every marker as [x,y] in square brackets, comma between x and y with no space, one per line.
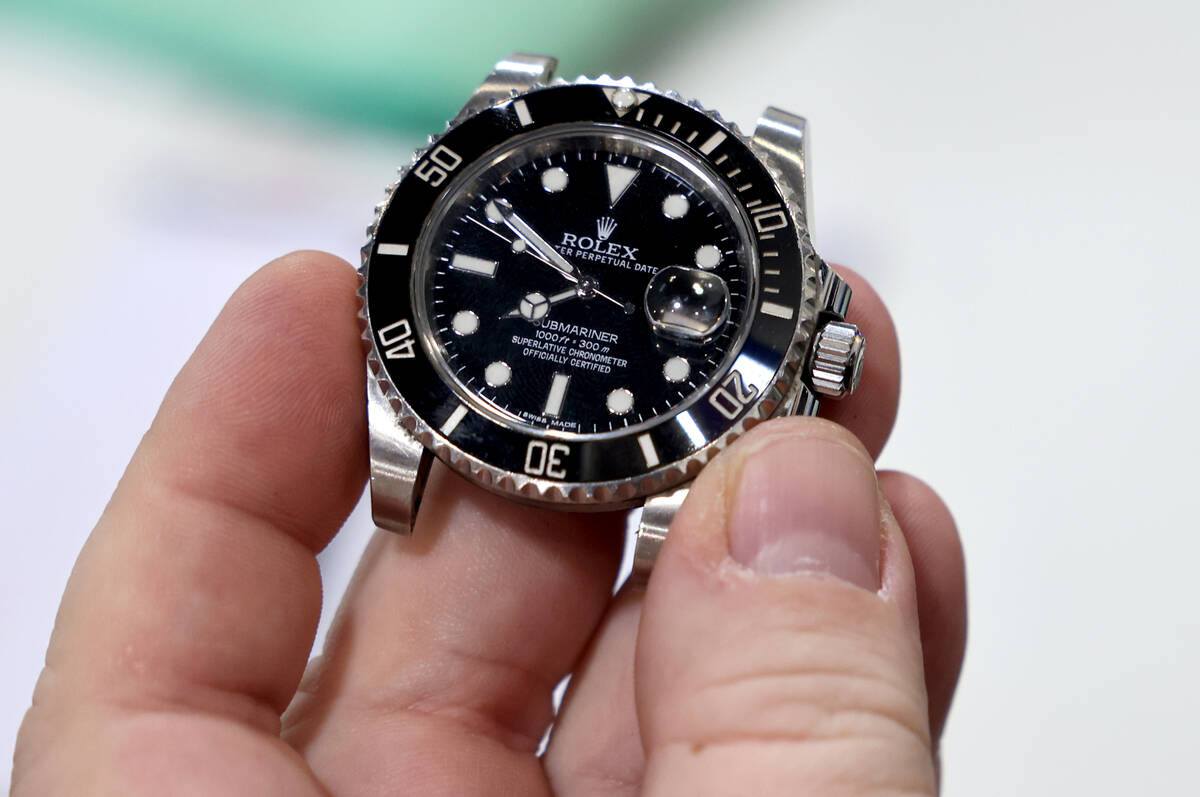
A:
[779,651]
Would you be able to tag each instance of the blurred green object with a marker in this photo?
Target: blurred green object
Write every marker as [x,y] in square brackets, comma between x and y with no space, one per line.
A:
[402,65]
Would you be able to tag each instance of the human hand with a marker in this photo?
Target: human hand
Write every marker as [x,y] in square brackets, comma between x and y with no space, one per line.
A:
[800,634]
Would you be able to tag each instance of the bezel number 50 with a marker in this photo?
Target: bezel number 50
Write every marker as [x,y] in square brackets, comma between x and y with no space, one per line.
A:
[437,165]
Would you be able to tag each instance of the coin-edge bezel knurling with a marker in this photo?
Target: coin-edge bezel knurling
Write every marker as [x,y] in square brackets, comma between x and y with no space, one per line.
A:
[624,492]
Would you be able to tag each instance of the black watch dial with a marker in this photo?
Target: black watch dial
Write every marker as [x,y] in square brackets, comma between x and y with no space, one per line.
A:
[586,279]
[579,294]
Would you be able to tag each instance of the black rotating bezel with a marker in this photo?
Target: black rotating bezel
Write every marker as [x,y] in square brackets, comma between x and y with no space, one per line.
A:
[556,456]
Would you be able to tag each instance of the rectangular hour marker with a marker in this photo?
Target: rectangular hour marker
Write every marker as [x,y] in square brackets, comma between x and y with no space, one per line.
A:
[476,265]
[720,160]
[393,249]
[522,113]
[777,310]
[454,420]
[558,391]
[648,449]
[692,137]
[712,143]
[769,289]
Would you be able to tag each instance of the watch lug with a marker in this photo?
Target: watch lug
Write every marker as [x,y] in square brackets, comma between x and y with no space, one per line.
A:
[519,72]
[657,515]
[781,139]
[399,465]
[802,400]
[835,294]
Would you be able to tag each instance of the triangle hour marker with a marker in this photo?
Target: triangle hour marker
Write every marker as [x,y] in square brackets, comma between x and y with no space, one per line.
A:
[623,98]
[619,178]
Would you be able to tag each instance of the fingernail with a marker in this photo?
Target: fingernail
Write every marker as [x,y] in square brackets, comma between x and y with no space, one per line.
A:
[807,505]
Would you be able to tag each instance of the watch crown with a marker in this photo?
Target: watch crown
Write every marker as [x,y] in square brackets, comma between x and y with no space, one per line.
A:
[837,360]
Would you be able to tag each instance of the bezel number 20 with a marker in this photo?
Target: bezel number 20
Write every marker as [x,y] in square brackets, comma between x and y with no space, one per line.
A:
[732,396]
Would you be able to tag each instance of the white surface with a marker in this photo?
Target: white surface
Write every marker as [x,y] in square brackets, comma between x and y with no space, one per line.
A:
[1017,178]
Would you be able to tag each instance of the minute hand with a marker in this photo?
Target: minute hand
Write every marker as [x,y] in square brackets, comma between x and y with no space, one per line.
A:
[531,237]
[551,257]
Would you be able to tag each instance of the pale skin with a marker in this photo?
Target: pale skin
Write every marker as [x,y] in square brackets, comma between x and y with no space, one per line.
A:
[756,663]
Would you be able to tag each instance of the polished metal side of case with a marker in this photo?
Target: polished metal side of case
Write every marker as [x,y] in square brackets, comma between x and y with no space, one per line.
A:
[399,465]
[657,515]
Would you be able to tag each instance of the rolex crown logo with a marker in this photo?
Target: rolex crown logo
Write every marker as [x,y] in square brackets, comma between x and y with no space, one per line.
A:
[605,226]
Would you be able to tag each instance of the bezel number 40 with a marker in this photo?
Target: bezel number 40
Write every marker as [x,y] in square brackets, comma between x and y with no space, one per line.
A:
[397,340]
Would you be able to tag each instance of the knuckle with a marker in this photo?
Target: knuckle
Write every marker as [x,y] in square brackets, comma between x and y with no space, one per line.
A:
[831,688]
[457,691]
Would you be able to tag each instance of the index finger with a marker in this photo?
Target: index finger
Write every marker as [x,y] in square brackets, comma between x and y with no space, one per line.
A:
[198,591]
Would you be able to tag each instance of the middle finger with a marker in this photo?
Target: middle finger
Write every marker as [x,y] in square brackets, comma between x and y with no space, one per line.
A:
[440,666]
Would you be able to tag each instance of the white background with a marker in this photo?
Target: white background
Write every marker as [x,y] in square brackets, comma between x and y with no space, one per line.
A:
[1017,178]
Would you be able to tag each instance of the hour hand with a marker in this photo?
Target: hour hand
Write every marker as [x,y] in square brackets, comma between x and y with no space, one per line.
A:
[534,306]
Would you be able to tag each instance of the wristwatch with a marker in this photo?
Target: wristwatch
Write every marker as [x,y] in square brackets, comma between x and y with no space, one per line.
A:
[580,292]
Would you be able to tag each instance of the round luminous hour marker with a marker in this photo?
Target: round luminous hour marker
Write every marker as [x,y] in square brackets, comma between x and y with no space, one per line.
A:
[675,206]
[465,322]
[497,374]
[518,245]
[493,213]
[554,179]
[708,256]
[676,369]
[620,401]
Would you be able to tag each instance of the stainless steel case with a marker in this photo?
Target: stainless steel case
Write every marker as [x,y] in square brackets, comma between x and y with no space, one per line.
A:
[824,355]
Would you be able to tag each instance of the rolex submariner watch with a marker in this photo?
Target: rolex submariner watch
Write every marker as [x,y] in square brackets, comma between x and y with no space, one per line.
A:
[581,292]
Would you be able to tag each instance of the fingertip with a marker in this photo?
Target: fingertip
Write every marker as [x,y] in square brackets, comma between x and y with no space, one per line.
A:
[801,426]
[766,629]
[312,261]
[704,515]
[934,533]
[298,292]
[939,570]
[269,411]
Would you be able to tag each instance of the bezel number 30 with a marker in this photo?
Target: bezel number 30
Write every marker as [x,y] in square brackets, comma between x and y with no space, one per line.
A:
[546,459]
